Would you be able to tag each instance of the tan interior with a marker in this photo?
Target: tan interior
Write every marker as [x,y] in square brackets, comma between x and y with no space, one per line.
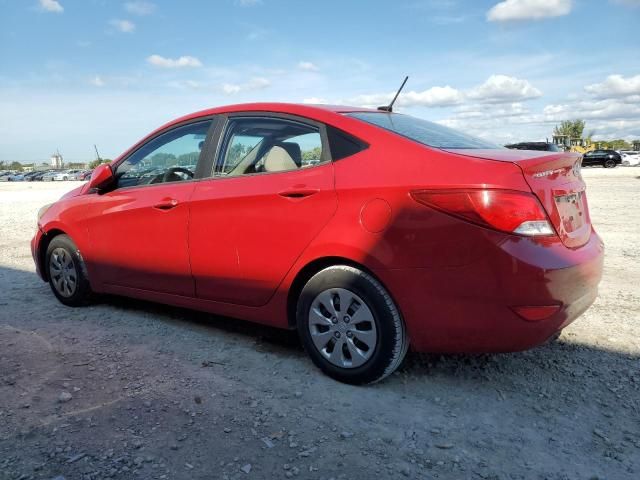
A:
[278,159]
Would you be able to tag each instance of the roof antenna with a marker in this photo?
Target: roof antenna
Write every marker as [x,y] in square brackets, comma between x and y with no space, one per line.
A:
[389,108]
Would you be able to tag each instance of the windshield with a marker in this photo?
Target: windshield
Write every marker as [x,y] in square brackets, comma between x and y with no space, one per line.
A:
[422,131]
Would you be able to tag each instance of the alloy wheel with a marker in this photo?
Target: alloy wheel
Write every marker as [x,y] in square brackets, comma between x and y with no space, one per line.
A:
[342,328]
[62,271]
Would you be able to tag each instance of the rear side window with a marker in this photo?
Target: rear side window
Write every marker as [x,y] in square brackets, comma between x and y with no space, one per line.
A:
[422,131]
[342,144]
[268,145]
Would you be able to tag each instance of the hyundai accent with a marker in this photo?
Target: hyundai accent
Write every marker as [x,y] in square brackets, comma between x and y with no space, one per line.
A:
[369,232]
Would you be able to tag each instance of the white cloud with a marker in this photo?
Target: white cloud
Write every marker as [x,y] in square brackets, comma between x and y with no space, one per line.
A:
[97,81]
[308,66]
[248,3]
[256,83]
[51,6]
[124,26]
[432,97]
[510,10]
[186,84]
[608,109]
[315,100]
[181,62]
[504,89]
[140,7]
[615,86]
[497,89]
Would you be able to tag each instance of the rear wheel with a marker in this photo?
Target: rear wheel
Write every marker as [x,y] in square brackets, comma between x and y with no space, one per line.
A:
[350,326]
[67,272]
[609,163]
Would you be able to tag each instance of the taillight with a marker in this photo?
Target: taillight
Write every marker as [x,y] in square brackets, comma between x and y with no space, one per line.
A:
[504,210]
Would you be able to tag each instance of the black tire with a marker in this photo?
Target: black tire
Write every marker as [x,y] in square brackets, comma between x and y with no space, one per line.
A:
[76,270]
[609,163]
[391,342]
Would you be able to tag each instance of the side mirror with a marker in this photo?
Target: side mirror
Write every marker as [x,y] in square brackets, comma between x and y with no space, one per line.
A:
[101,176]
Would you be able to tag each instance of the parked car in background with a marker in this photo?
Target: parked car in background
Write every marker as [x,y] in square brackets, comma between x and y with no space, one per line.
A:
[28,177]
[464,247]
[605,158]
[12,177]
[540,146]
[38,176]
[65,175]
[86,175]
[49,176]
[630,158]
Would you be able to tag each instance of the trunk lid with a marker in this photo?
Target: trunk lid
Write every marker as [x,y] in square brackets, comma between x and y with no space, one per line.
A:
[554,177]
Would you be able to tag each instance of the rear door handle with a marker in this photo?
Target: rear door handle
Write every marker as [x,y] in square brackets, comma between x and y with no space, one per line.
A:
[166,204]
[298,192]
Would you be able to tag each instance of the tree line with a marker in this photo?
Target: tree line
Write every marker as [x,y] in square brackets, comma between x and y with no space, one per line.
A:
[575,129]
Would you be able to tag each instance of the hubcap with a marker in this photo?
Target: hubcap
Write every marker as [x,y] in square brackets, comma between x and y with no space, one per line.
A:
[62,272]
[342,328]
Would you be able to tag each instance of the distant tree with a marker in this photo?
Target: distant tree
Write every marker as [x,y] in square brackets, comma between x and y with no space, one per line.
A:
[572,128]
[16,166]
[236,153]
[97,162]
[76,165]
[617,144]
[161,159]
[313,154]
[3,165]
[188,158]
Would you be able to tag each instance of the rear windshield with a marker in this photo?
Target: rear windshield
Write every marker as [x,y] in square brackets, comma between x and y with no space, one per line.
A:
[422,131]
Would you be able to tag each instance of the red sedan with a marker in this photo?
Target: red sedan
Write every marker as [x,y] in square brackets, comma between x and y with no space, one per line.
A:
[367,231]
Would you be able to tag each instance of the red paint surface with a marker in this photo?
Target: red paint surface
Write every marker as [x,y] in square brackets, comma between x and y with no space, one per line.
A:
[234,246]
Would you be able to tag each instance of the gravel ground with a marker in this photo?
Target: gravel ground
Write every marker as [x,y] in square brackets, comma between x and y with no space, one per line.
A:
[127,389]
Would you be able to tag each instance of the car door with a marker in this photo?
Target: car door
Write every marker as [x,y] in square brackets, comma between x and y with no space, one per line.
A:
[271,193]
[590,158]
[138,230]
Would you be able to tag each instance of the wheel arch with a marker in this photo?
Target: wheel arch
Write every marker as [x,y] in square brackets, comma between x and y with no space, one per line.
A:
[42,250]
[309,270]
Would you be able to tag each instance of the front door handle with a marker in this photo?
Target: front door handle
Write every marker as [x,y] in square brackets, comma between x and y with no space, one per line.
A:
[166,204]
[298,192]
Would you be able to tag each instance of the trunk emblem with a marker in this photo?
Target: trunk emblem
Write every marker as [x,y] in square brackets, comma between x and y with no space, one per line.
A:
[546,173]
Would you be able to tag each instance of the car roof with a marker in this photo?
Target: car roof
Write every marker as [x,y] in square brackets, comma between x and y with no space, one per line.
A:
[301,109]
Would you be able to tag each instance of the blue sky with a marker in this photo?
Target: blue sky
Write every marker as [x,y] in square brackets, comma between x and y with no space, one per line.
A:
[78,72]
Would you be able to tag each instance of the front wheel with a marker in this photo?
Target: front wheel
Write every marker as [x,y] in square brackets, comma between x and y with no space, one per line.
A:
[350,326]
[67,272]
[609,163]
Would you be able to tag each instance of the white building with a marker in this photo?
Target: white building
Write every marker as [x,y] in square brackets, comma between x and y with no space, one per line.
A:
[56,160]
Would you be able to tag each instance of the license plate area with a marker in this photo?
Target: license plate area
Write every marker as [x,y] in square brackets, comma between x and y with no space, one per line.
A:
[571,211]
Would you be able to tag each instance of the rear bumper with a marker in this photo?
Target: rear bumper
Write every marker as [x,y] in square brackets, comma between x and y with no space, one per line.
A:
[468,308]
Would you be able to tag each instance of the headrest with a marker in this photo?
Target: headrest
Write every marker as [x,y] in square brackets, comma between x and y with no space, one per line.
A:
[278,159]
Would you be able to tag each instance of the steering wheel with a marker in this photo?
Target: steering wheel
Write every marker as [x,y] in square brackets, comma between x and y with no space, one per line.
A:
[173,171]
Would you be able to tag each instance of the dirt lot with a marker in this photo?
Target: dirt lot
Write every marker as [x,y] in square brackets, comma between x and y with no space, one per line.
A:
[126,389]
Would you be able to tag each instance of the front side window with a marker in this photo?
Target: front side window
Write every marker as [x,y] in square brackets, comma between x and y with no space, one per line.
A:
[268,145]
[170,157]
[422,131]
